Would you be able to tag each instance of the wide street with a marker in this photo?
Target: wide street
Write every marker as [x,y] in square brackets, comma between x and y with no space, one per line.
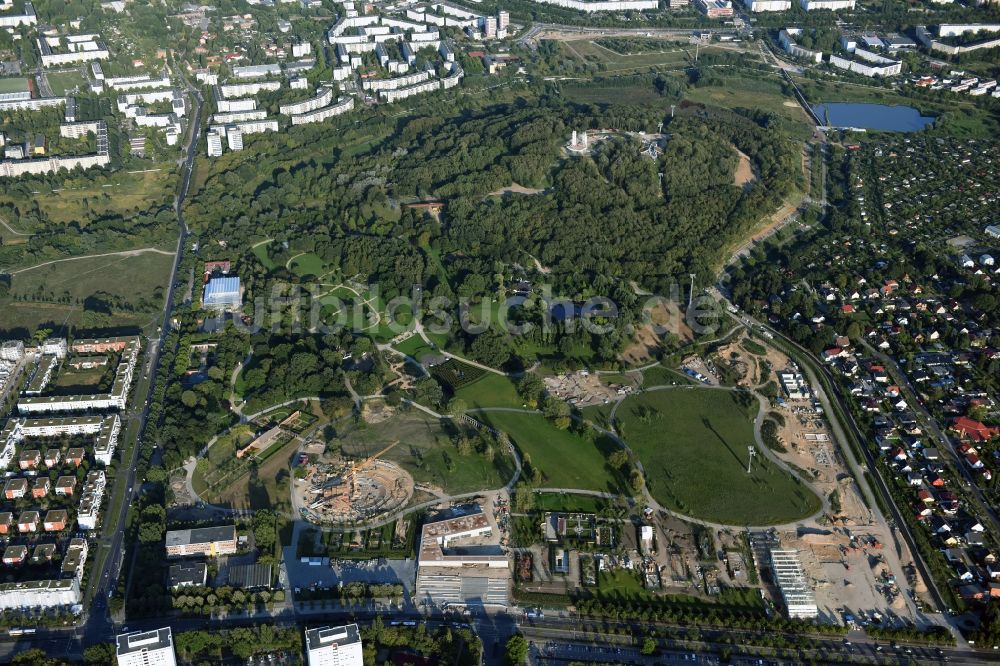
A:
[98,626]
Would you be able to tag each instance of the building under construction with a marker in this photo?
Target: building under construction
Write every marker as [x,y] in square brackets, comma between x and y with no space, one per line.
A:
[356,490]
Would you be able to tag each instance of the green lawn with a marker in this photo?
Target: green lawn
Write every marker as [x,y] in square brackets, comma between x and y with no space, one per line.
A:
[621,584]
[566,460]
[426,451]
[307,264]
[260,251]
[490,390]
[693,445]
[13,85]
[570,503]
[413,346]
[62,82]
[660,376]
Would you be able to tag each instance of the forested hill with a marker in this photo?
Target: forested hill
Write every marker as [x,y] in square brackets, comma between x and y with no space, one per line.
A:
[609,216]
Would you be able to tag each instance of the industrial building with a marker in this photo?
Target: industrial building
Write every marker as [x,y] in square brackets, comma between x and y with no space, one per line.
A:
[146,648]
[334,646]
[798,596]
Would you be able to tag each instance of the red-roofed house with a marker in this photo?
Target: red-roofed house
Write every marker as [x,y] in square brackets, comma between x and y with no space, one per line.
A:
[974,430]
[832,353]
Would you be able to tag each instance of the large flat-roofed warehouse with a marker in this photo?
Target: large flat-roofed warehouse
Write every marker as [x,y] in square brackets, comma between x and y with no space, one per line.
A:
[461,563]
[800,601]
[209,541]
[334,646]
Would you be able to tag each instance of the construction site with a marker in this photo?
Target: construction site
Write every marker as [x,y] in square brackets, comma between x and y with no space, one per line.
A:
[341,491]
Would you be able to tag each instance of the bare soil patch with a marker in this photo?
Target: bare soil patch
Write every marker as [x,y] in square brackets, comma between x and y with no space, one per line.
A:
[745,175]
[663,317]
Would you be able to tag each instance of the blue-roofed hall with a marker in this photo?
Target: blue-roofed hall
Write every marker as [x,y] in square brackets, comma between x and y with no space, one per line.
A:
[222,292]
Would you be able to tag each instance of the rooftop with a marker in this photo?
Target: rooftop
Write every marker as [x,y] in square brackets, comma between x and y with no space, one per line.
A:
[201,535]
[137,641]
[324,636]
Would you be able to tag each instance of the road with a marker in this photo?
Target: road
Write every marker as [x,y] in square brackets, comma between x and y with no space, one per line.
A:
[99,626]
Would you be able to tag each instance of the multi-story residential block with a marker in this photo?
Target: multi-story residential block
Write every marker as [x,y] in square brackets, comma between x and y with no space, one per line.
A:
[90,500]
[149,648]
[334,646]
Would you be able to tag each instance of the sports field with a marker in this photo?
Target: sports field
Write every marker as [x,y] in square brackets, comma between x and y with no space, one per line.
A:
[10,85]
[565,459]
[63,82]
[693,445]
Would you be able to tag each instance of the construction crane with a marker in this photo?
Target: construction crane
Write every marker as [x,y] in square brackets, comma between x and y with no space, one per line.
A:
[352,472]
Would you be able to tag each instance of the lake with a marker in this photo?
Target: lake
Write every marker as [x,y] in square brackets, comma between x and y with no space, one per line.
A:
[872,116]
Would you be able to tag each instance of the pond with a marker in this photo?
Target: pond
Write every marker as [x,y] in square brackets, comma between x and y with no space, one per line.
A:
[872,116]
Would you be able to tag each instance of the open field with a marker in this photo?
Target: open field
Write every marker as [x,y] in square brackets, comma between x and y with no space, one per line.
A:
[426,451]
[71,381]
[693,445]
[260,251]
[9,85]
[63,82]
[413,346]
[490,390]
[119,193]
[263,486]
[88,293]
[765,95]
[307,264]
[566,459]
[587,50]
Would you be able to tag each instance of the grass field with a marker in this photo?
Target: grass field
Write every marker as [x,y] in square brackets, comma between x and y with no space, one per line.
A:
[693,446]
[427,452]
[260,251]
[490,390]
[307,264]
[119,193]
[72,381]
[263,486]
[615,62]
[566,460]
[62,82]
[765,95]
[10,85]
[414,346]
[570,503]
[84,293]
